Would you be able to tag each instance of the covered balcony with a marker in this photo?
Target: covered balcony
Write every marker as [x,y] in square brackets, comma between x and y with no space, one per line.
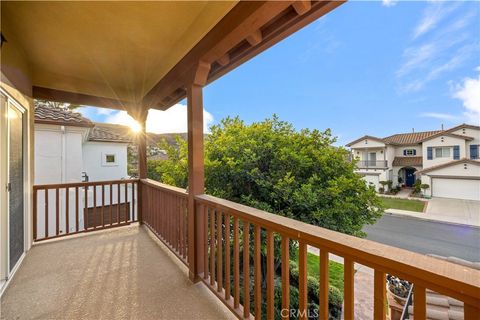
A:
[141,249]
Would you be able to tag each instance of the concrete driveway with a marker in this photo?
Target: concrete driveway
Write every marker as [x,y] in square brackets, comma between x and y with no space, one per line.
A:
[466,211]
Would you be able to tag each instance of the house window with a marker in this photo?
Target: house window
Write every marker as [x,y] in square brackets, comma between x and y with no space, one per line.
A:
[109,159]
[410,152]
[442,152]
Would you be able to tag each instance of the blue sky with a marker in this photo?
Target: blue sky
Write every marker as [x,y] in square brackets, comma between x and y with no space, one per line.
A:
[365,68]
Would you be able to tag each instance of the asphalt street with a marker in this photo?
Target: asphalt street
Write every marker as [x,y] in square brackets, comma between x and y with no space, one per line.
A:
[426,236]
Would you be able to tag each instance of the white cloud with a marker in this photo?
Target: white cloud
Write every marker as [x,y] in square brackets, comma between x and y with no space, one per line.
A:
[469,93]
[432,15]
[90,112]
[389,3]
[173,120]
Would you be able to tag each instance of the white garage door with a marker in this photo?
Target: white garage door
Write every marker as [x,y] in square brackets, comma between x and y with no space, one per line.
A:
[456,188]
[370,179]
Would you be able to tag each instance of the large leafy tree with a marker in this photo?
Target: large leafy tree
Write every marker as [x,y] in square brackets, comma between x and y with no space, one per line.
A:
[271,166]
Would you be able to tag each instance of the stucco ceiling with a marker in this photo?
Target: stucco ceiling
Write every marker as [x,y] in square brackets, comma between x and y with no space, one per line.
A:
[107,49]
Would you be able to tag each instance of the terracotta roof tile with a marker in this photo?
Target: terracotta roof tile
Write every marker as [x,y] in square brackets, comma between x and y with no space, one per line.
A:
[100,133]
[407,161]
[60,116]
[409,138]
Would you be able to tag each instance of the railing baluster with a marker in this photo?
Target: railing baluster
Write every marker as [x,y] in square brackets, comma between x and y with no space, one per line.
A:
[76,209]
[67,208]
[111,204]
[133,201]
[127,205]
[35,213]
[323,314]
[419,302]
[46,212]
[302,280]
[103,206]
[85,212]
[219,252]
[227,257]
[246,269]
[285,312]
[94,207]
[205,242]
[270,275]
[257,261]
[379,296]
[57,211]
[212,244]
[236,264]
[349,280]
[118,203]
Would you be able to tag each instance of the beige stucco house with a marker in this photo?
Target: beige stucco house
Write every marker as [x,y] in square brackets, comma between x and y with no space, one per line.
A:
[446,160]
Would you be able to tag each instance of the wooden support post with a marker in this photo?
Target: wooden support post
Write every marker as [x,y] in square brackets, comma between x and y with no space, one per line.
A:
[142,164]
[196,228]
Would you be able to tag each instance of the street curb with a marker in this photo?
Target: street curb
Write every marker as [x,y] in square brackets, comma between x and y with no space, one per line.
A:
[433,220]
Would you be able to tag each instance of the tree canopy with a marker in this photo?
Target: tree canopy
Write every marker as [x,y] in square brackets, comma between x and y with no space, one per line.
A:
[271,166]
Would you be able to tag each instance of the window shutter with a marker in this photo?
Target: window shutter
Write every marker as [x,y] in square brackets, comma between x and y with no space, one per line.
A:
[404,152]
[429,153]
[474,151]
[414,152]
[456,152]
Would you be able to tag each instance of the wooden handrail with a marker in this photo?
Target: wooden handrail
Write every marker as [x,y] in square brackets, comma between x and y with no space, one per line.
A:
[82,184]
[444,277]
[165,187]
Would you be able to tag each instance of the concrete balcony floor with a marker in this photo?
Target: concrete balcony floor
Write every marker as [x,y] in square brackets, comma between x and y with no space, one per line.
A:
[121,273]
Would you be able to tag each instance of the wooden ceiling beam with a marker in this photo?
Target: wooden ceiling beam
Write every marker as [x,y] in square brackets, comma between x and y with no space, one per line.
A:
[255,38]
[302,7]
[248,29]
[78,98]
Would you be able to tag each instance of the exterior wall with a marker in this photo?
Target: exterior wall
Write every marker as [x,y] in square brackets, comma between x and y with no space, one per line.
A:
[437,142]
[374,176]
[93,163]
[58,154]
[474,133]
[390,155]
[399,150]
[362,154]
[367,143]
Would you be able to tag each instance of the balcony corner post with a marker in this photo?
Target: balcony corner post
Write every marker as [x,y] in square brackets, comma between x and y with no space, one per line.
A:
[196,184]
[141,118]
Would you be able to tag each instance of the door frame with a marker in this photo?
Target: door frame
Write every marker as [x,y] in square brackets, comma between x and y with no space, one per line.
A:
[5,273]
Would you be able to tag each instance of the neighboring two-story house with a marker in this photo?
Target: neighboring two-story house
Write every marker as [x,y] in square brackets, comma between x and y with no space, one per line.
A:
[446,160]
[71,148]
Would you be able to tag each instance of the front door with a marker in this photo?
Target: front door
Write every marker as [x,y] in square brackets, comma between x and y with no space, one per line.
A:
[409,177]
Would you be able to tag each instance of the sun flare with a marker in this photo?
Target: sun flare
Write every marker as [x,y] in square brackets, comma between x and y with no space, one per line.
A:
[135,126]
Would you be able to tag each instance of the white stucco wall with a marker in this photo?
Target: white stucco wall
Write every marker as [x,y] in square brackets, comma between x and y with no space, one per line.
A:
[390,155]
[58,154]
[474,133]
[448,141]
[367,143]
[93,163]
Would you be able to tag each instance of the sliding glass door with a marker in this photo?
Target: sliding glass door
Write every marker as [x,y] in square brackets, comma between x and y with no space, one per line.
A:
[15,185]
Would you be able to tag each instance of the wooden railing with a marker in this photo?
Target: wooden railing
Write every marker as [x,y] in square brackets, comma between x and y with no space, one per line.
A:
[229,236]
[165,212]
[70,208]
